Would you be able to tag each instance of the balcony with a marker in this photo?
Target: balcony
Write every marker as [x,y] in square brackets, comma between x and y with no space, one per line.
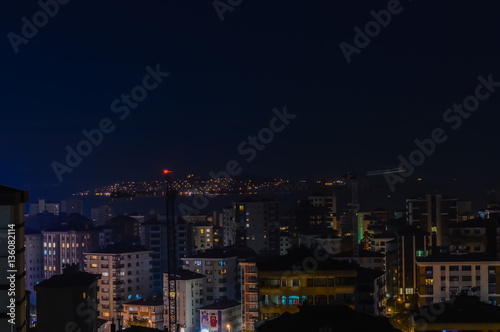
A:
[253,290]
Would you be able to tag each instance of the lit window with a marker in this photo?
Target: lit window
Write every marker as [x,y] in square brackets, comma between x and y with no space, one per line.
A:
[105,314]
[83,244]
[283,300]
[67,245]
[197,262]
[208,230]
[242,207]
[201,231]
[293,300]
[45,244]
[50,245]
[105,274]
[93,265]
[62,245]
[409,290]
[84,295]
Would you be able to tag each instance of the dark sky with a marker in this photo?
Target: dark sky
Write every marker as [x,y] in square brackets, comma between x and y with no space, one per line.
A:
[225,79]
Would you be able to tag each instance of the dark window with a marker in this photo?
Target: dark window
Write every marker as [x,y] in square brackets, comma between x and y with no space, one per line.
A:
[310,282]
[320,300]
[320,282]
[466,268]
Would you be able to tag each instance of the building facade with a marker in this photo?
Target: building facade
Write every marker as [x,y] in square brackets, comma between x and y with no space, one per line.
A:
[63,245]
[221,316]
[126,275]
[443,277]
[147,312]
[12,229]
[257,224]
[190,287]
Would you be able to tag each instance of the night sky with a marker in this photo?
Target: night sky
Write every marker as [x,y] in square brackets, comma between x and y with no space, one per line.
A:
[226,77]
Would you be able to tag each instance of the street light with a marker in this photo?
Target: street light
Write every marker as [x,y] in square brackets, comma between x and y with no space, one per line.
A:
[228,326]
[396,304]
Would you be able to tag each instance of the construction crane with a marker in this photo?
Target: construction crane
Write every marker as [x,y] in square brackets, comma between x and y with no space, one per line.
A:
[352,182]
[170,195]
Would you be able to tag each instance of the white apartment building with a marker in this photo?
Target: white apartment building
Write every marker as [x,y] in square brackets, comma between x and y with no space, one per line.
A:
[440,277]
[224,315]
[220,270]
[190,288]
[126,275]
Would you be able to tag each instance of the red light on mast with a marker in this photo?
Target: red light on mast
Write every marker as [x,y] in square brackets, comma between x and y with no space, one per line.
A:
[166,171]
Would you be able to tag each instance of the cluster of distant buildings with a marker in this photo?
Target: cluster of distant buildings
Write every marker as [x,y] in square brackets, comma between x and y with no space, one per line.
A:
[252,267]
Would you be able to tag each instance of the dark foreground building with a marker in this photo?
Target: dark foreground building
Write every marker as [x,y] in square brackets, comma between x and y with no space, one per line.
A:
[67,302]
[461,313]
[325,319]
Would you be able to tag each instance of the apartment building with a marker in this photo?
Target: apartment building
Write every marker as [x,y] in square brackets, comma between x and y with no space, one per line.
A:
[190,287]
[144,312]
[223,315]
[442,277]
[126,275]
[65,245]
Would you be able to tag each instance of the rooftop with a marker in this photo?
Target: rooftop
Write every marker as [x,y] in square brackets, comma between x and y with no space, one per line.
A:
[461,309]
[11,196]
[458,257]
[119,248]
[69,279]
[362,253]
[221,305]
[296,257]
[328,318]
[187,275]
[147,302]
[239,252]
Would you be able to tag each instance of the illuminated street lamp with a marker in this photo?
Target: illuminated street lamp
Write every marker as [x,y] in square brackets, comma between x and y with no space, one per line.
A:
[228,326]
